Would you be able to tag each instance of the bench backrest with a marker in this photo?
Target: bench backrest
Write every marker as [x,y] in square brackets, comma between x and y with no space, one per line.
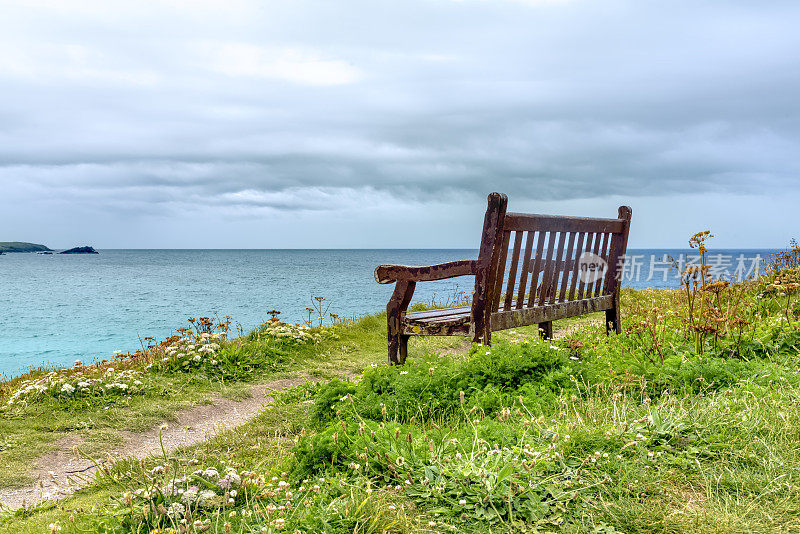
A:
[528,260]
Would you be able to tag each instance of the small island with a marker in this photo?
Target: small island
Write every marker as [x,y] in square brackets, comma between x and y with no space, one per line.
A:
[20,246]
[80,250]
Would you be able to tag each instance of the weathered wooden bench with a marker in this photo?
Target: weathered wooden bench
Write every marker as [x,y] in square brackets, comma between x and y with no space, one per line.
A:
[568,266]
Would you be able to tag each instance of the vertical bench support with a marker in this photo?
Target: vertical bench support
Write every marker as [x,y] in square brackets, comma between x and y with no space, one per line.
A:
[616,260]
[398,343]
[486,275]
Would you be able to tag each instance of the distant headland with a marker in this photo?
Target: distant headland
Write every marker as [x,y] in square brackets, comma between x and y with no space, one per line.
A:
[19,246]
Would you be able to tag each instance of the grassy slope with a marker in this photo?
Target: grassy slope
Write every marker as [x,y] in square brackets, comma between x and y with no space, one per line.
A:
[710,459]
[28,433]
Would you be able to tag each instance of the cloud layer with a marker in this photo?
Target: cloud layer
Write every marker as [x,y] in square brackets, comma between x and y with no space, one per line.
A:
[136,122]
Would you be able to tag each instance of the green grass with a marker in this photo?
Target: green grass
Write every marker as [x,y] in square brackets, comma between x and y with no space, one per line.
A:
[591,433]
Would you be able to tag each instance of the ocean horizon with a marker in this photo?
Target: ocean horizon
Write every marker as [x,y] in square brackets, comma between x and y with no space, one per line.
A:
[62,308]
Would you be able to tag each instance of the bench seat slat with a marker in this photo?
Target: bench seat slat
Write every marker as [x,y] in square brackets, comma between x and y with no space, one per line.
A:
[442,312]
[453,319]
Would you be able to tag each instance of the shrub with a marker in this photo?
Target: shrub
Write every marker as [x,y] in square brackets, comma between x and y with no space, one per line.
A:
[209,353]
[431,387]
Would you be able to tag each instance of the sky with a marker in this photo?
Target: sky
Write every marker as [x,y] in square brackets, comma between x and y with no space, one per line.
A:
[385,124]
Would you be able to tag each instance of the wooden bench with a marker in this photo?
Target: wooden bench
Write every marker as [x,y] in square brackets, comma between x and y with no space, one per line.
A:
[553,273]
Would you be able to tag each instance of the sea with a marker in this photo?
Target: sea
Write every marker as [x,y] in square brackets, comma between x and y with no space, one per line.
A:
[55,309]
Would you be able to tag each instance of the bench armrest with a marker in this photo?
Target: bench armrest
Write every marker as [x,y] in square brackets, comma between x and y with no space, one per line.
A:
[386,274]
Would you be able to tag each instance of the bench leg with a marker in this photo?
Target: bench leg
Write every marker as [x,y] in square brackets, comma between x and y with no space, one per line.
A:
[394,346]
[403,291]
[546,330]
[402,348]
[613,316]
[613,321]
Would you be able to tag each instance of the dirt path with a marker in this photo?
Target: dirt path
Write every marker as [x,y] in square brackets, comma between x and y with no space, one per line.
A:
[60,472]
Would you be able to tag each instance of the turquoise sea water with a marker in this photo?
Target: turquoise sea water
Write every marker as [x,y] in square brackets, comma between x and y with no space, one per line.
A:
[56,309]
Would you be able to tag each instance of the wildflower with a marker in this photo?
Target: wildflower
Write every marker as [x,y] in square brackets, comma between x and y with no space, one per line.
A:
[403,372]
[68,389]
[462,502]
[211,474]
[190,495]
[176,510]
[235,478]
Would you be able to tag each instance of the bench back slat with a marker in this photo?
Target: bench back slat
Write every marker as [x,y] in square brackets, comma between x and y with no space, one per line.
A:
[558,262]
[565,271]
[537,268]
[547,267]
[501,268]
[512,273]
[576,266]
[526,268]
[598,285]
[590,238]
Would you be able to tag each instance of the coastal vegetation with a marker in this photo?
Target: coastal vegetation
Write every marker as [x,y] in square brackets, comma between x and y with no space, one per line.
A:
[689,421]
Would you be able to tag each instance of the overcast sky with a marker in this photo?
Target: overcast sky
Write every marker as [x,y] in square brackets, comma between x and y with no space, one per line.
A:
[350,123]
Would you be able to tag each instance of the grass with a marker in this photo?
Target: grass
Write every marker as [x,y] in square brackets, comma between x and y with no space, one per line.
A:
[687,422]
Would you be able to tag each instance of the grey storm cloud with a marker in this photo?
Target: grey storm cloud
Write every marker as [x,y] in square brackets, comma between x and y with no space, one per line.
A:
[241,106]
